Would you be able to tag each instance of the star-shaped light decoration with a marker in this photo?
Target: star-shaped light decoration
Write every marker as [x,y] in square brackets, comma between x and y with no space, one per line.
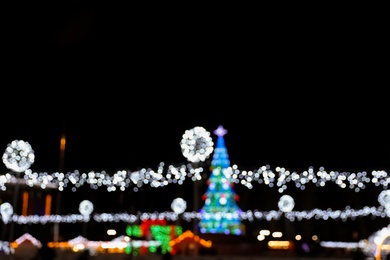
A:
[220,131]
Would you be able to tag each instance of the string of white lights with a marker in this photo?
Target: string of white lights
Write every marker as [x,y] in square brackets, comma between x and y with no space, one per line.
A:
[165,175]
[345,214]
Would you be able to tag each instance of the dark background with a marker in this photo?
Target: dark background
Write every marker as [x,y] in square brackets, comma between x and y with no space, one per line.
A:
[292,91]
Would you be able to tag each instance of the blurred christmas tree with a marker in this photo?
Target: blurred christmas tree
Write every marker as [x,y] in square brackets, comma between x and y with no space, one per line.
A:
[220,213]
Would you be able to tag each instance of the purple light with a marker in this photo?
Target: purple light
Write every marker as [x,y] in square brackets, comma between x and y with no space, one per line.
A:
[220,131]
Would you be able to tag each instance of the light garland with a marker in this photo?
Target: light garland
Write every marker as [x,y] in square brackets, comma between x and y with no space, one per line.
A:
[164,176]
[249,215]
[119,244]
[286,204]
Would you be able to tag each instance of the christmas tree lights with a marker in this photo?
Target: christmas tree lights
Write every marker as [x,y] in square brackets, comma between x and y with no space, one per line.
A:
[220,213]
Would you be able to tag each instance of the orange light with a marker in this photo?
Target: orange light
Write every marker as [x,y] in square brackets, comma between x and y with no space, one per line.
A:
[279,245]
[62,143]
[25,203]
[188,235]
[48,205]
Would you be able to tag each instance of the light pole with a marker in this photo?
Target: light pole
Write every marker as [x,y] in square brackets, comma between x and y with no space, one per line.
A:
[196,202]
[14,205]
[56,231]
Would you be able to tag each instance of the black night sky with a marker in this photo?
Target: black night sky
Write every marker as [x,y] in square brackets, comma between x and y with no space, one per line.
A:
[124,91]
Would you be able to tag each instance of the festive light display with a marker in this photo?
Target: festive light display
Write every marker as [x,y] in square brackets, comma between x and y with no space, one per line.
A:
[117,245]
[18,156]
[188,236]
[197,144]
[220,213]
[384,198]
[156,229]
[26,237]
[279,177]
[375,244]
[179,205]
[166,175]
[286,203]
[5,247]
[6,211]
[164,234]
[85,207]
[196,147]
[248,215]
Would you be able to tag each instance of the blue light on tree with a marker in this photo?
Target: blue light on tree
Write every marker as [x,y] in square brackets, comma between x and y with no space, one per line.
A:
[220,213]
